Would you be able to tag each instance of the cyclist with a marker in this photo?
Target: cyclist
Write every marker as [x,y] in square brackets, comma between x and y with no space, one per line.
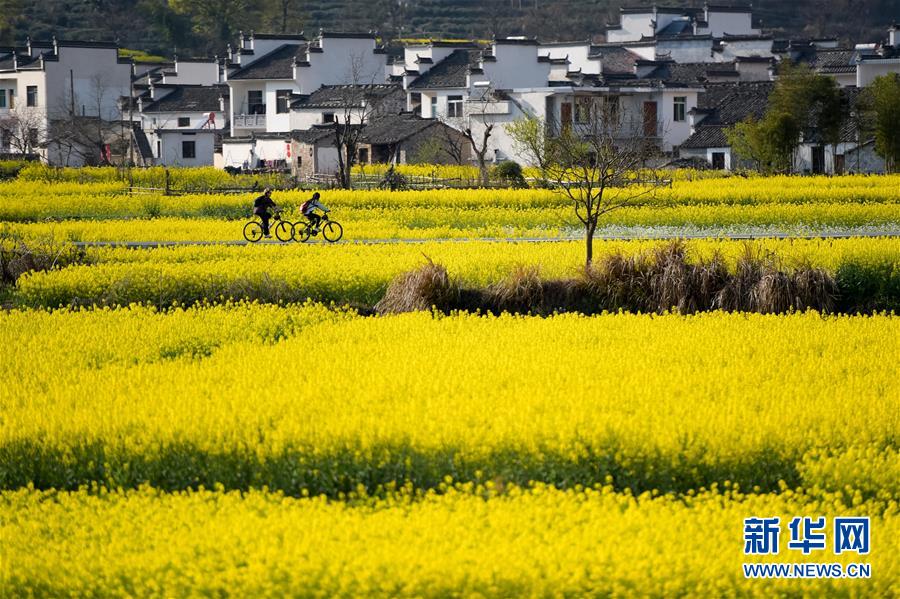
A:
[308,209]
[261,207]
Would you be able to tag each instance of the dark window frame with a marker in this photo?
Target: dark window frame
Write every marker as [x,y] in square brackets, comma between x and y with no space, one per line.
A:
[256,107]
[31,96]
[455,105]
[185,144]
[184,121]
[679,109]
[282,101]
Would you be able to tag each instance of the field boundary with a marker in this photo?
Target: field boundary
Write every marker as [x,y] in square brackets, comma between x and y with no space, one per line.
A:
[727,236]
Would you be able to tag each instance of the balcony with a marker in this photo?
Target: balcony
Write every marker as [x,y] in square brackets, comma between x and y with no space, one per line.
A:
[249,121]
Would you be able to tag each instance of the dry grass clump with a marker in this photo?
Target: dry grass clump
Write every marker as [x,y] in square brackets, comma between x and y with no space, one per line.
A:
[658,281]
[520,291]
[19,256]
[427,287]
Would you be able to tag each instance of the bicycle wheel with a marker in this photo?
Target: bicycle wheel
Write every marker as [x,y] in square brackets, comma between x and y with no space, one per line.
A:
[253,231]
[301,232]
[284,230]
[332,231]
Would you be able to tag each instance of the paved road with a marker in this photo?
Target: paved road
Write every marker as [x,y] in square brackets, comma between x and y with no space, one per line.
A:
[738,237]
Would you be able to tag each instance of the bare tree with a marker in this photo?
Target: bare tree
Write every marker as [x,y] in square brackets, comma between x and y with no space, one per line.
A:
[82,131]
[25,130]
[598,163]
[359,102]
[443,146]
[478,131]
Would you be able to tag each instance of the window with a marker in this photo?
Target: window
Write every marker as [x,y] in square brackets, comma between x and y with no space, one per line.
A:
[31,95]
[454,106]
[158,149]
[434,107]
[679,108]
[255,104]
[184,121]
[328,117]
[282,101]
[2,98]
[32,137]
[363,156]
[188,149]
[583,108]
[5,139]
[718,160]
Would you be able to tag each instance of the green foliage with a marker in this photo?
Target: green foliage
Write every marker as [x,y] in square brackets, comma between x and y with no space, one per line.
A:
[511,171]
[9,169]
[801,101]
[140,56]
[885,100]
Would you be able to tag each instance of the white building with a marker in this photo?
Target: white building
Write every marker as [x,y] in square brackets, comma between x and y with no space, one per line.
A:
[516,78]
[181,124]
[266,74]
[44,83]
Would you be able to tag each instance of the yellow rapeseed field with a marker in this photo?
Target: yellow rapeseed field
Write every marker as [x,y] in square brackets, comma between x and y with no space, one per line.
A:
[306,398]
[356,272]
[540,542]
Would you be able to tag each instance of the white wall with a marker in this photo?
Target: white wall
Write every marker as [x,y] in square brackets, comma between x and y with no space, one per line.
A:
[516,66]
[732,49]
[634,26]
[868,70]
[692,50]
[577,54]
[235,153]
[95,72]
[674,132]
[169,120]
[194,73]
[171,148]
[733,23]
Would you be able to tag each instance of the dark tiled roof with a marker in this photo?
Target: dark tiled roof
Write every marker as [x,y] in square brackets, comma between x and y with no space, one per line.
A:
[834,60]
[342,96]
[277,64]
[22,60]
[694,72]
[709,136]
[615,60]
[727,104]
[678,27]
[396,128]
[312,135]
[186,98]
[388,129]
[449,72]
[142,143]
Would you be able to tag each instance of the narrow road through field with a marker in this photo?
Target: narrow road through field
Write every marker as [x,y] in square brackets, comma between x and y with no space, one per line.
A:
[729,236]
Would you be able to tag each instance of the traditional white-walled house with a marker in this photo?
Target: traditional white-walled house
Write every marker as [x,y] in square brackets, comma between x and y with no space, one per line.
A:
[44,83]
[274,70]
[182,124]
[724,105]
[332,103]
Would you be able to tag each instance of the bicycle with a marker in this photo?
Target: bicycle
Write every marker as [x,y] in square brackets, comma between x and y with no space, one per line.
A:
[331,230]
[284,230]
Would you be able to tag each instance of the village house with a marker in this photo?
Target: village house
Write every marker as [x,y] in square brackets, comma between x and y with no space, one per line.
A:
[266,72]
[724,105]
[181,125]
[50,91]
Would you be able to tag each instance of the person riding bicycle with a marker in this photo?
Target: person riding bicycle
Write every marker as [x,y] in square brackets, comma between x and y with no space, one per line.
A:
[261,207]
[308,209]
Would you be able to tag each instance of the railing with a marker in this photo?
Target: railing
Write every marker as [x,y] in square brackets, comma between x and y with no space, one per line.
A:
[250,121]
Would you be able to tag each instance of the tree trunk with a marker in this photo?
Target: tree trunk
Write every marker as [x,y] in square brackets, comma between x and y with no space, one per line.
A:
[589,243]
